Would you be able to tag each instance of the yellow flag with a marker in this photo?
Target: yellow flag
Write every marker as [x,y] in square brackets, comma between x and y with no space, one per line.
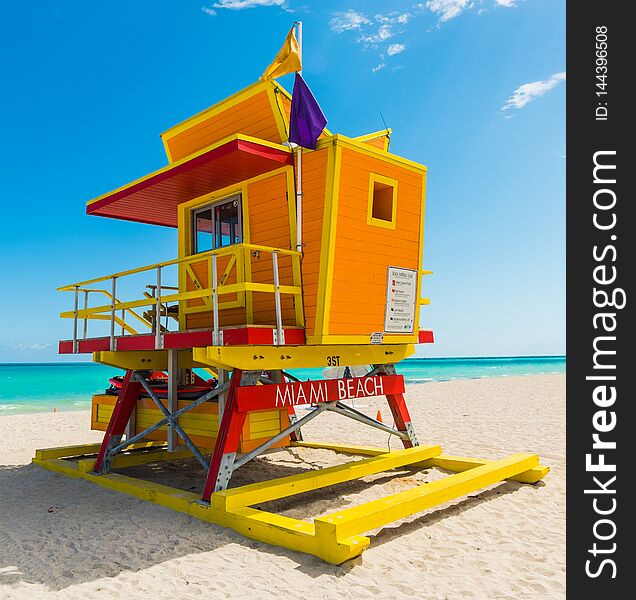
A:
[287,60]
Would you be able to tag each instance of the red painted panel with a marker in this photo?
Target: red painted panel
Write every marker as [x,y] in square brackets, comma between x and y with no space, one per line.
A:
[425,336]
[327,390]
[294,337]
[136,342]
[241,336]
[93,345]
[255,336]
[187,339]
[65,347]
[155,199]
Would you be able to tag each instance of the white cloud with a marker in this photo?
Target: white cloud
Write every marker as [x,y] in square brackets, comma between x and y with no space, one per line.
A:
[394,17]
[375,31]
[208,11]
[448,9]
[384,33]
[348,20]
[241,4]
[394,49]
[528,92]
[38,346]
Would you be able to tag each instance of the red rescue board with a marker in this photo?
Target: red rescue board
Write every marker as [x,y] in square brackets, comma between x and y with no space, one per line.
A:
[312,392]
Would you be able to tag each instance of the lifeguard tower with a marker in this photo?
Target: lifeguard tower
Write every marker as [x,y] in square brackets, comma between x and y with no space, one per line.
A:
[280,265]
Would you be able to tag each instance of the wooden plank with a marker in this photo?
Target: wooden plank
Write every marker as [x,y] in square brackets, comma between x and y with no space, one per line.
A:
[455,464]
[265,415]
[377,513]
[83,449]
[459,464]
[311,480]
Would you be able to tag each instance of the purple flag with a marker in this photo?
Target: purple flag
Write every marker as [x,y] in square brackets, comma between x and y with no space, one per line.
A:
[306,120]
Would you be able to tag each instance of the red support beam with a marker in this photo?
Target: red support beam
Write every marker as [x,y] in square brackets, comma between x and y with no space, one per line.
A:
[126,401]
[229,435]
[401,416]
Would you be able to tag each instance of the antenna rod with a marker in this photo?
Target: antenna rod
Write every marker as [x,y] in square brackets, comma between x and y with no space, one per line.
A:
[385,125]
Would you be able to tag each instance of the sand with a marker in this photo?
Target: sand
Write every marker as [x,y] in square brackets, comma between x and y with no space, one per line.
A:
[65,538]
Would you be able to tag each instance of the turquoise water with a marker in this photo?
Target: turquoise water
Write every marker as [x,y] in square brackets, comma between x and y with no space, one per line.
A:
[421,370]
[47,386]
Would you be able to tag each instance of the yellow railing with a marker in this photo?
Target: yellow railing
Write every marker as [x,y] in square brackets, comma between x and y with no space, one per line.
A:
[240,259]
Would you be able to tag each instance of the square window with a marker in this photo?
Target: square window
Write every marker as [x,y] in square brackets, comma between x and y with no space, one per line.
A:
[382,201]
[217,225]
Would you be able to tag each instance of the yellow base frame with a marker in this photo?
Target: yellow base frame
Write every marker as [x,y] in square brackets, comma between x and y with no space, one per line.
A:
[336,537]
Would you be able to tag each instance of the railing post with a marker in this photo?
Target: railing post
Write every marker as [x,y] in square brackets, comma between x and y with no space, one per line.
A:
[173,397]
[158,312]
[299,310]
[85,332]
[113,301]
[279,316]
[215,300]
[76,308]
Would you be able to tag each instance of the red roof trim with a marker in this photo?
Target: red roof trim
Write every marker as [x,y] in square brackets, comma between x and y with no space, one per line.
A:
[274,158]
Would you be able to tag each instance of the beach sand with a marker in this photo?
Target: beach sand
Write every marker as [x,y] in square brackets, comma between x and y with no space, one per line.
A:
[66,538]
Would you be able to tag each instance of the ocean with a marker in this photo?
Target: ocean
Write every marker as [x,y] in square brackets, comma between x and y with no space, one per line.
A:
[44,387]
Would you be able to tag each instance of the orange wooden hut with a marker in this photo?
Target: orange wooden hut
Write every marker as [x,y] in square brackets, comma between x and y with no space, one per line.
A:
[281,265]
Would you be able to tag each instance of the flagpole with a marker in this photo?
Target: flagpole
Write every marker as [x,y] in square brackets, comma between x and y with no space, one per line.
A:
[299,155]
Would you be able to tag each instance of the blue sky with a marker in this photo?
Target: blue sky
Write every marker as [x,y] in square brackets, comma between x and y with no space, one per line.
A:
[474,90]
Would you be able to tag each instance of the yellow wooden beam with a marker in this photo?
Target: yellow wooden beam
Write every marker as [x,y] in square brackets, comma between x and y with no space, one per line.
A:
[154,360]
[282,487]
[259,525]
[334,538]
[455,464]
[350,522]
[84,449]
[121,461]
[293,534]
[458,464]
[258,358]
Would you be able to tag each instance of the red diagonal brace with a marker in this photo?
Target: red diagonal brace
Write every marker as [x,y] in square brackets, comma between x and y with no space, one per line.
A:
[229,434]
[401,416]
[126,401]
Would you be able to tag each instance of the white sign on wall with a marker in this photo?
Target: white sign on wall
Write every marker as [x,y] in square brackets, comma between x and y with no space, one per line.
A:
[401,296]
